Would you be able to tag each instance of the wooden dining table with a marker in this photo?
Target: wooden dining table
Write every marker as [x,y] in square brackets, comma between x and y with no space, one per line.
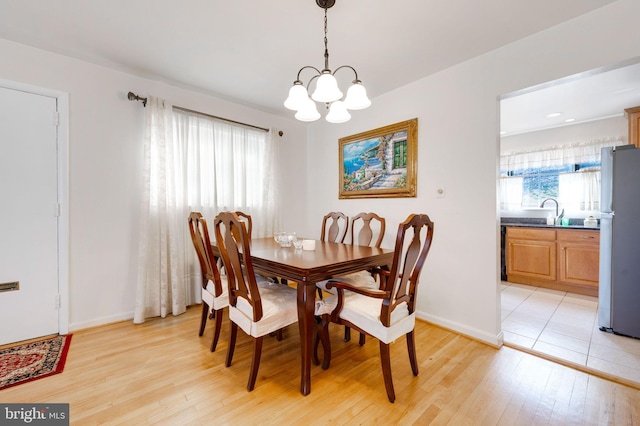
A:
[306,268]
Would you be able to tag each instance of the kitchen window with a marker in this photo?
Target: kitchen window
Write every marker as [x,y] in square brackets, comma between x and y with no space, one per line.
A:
[570,174]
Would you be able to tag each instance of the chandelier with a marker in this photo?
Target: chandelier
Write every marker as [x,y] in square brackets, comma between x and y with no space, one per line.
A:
[326,89]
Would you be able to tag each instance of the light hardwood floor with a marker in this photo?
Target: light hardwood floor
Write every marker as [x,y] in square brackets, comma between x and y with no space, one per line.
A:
[161,372]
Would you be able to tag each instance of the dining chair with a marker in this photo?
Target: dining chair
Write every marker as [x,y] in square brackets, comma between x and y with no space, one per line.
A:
[334,230]
[389,312]
[257,307]
[215,294]
[334,227]
[364,229]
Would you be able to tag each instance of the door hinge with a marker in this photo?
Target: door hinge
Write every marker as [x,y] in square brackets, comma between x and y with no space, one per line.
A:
[56,118]
[58,301]
[57,210]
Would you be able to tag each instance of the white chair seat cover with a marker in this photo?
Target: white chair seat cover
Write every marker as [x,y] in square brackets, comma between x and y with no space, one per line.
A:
[362,279]
[208,295]
[222,301]
[279,309]
[365,312]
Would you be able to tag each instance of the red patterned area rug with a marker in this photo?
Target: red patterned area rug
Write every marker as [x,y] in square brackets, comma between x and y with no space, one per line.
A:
[31,361]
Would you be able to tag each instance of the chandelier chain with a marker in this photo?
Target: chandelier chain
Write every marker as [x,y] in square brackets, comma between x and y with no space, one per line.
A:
[326,41]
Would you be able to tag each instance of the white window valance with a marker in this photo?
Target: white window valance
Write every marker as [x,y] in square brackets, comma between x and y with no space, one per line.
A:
[557,156]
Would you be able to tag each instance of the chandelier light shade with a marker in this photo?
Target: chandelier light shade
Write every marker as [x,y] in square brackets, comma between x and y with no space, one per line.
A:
[326,89]
[338,113]
[357,97]
[297,96]
[307,110]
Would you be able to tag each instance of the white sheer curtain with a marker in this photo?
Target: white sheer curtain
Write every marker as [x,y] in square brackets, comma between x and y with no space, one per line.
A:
[228,167]
[161,286]
[196,163]
[579,191]
[511,193]
[575,153]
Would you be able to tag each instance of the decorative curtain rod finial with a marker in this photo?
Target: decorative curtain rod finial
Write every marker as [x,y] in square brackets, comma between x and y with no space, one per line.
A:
[325,4]
[133,97]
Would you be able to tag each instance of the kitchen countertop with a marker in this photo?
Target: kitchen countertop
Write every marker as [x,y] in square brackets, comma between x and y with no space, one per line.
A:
[530,222]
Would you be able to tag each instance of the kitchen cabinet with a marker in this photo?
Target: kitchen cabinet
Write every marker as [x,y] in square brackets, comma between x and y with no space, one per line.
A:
[531,254]
[633,116]
[579,257]
[560,259]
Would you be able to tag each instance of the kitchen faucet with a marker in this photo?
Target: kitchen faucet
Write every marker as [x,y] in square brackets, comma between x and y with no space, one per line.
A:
[558,217]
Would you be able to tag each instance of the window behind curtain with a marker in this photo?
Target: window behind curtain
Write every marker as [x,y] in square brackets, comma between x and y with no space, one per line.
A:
[225,167]
[570,174]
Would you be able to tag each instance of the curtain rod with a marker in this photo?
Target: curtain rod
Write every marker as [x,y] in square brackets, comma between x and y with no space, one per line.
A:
[133,97]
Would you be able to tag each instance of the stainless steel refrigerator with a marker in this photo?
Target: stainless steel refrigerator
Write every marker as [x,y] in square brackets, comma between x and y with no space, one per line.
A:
[619,288]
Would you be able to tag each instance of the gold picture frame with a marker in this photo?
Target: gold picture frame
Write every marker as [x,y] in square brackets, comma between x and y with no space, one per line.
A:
[380,163]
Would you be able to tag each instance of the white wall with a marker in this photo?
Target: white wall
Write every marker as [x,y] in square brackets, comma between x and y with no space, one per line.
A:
[105,170]
[458,138]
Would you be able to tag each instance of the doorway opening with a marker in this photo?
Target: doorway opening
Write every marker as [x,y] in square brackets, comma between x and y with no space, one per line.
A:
[559,324]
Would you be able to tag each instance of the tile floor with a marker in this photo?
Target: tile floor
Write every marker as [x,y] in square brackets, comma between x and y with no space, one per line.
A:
[564,325]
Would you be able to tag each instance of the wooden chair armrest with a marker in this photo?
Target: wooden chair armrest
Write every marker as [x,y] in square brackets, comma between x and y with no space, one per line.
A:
[377,294]
[341,286]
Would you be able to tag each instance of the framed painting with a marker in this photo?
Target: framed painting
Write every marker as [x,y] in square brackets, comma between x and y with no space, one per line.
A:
[380,163]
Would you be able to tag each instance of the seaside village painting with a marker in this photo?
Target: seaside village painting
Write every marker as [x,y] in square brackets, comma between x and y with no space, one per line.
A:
[376,163]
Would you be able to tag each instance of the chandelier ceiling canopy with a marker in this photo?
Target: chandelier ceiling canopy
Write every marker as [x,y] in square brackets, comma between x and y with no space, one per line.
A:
[326,88]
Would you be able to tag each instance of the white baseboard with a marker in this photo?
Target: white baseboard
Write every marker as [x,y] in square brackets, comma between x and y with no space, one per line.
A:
[473,333]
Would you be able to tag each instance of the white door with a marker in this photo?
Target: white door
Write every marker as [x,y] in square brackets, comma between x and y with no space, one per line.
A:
[28,216]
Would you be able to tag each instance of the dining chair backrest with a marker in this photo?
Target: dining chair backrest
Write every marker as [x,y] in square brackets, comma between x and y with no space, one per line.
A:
[234,245]
[365,235]
[413,242]
[202,243]
[247,220]
[334,227]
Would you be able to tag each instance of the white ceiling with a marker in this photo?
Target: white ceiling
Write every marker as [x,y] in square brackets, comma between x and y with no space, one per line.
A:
[581,98]
[250,51]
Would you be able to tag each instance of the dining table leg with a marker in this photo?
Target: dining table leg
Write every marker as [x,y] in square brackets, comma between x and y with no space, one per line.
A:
[306,308]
